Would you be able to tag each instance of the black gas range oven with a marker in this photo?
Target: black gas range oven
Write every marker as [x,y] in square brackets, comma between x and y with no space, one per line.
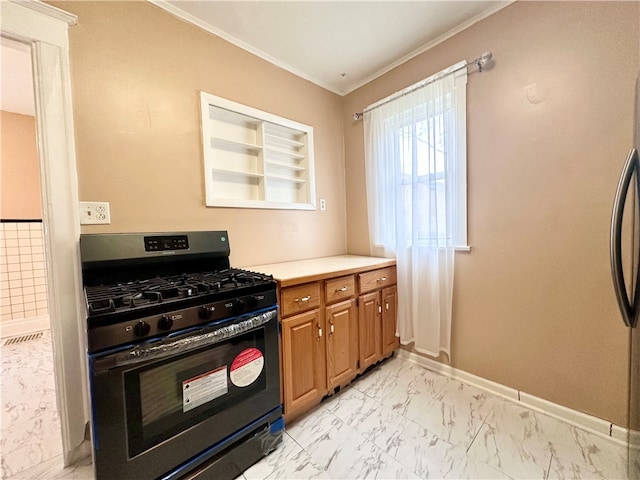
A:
[183,357]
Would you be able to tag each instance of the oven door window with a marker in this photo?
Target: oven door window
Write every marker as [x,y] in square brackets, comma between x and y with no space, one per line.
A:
[169,396]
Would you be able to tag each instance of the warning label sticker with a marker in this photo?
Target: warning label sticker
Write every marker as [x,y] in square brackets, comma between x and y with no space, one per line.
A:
[246,367]
[199,390]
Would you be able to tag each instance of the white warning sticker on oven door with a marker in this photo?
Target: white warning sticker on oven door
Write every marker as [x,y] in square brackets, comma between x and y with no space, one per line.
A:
[199,390]
[246,367]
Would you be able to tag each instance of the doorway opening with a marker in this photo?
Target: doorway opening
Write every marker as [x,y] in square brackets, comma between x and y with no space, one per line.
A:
[28,385]
[43,29]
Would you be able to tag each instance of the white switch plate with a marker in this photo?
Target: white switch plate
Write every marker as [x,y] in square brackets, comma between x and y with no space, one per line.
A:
[94,213]
[323,204]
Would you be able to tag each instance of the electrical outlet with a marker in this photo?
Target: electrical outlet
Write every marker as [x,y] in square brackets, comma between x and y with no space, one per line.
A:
[94,213]
[323,204]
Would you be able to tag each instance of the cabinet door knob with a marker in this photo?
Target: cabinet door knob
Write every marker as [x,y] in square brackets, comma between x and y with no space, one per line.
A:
[319,331]
[303,299]
[386,306]
[331,326]
[382,279]
[343,289]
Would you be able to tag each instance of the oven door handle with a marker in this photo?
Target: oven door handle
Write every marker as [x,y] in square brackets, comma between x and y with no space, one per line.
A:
[171,347]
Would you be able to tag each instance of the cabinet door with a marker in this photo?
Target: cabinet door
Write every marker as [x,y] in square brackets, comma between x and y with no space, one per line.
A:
[389,318]
[369,325]
[304,372]
[342,342]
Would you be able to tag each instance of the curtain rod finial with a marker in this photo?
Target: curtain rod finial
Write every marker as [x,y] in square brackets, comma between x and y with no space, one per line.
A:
[357,116]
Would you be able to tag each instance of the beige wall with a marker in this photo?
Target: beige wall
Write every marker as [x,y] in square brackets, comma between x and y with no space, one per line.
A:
[20,174]
[136,76]
[549,127]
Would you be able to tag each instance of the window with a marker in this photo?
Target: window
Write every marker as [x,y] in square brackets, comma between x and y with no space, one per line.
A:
[420,165]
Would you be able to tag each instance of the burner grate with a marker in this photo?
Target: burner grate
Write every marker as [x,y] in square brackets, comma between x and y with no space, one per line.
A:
[116,297]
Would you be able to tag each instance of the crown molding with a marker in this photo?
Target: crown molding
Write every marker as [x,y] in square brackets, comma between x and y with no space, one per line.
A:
[48,10]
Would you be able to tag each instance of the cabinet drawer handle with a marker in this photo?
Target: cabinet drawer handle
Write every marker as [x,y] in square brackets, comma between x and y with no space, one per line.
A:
[343,289]
[381,279]
[303,299]
[332,329]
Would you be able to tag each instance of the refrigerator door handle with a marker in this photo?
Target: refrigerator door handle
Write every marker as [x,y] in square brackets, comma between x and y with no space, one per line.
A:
[628,309]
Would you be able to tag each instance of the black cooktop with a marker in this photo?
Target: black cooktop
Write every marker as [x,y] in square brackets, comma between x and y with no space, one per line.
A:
[132,275]
[103,299]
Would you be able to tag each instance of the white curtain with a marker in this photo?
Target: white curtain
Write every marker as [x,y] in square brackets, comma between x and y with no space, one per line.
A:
[412,196]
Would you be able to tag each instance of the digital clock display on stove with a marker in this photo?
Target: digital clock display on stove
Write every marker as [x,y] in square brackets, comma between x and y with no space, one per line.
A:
[159,244]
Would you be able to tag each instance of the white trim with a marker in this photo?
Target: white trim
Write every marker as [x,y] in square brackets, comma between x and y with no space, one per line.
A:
[24,326]
[30,23]
[49,10]
[187,17]
[591,424]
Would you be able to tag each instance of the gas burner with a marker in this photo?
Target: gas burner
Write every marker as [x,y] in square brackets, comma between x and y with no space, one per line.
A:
[104,299]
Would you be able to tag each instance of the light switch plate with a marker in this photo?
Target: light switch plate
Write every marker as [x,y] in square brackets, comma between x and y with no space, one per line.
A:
[95,213]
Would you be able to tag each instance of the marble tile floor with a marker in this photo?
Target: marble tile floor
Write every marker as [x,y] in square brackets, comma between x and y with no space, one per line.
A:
[30,425]
[402,421]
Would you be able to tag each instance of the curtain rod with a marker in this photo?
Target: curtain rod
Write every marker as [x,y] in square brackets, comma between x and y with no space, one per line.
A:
[480,62]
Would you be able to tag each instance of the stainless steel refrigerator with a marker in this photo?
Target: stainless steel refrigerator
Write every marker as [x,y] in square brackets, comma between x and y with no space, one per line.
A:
[625,267]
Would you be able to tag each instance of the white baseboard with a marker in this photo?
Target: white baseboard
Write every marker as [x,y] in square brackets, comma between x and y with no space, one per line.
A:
[595,425]
[24,326]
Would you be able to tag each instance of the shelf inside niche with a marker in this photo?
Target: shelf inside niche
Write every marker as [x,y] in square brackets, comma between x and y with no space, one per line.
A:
[284,178]
[223,171]
[235,145]
[229,116]
[289,166]
[271,138]
[284,153]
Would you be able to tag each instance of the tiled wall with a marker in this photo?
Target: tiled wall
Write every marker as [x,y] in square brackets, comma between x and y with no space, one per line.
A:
[23,276]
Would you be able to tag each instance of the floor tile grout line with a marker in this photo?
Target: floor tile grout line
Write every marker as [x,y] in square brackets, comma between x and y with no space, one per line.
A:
[484,422]
[546,477]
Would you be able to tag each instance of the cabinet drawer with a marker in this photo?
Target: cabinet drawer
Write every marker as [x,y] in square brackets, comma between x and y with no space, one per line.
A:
[374,279]
[340,288]
[300,298]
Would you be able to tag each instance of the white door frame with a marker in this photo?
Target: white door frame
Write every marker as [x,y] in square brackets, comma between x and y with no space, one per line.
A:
[45,29]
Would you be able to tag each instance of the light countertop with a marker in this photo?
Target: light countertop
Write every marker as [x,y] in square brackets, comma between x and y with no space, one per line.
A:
[311,270]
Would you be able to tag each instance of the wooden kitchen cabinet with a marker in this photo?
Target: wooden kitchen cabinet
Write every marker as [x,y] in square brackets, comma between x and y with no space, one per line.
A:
[389,320]
[303,361]
[342,343]
[370,329]
[338,317]
[377,314]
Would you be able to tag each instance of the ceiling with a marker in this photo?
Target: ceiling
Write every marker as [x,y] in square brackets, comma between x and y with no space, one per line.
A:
[338,45]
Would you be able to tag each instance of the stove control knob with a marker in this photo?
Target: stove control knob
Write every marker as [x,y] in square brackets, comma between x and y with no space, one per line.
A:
[165,323]
[237,306]
[206,312]
[142,329]
[252,301]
